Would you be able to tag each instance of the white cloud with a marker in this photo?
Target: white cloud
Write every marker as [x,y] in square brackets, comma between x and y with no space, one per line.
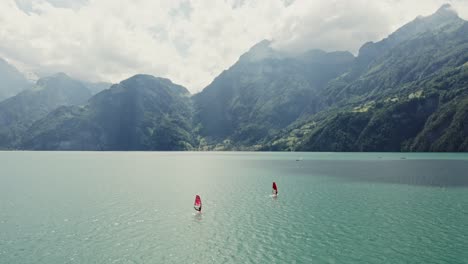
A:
[188,41]
[346,25]
[28,5]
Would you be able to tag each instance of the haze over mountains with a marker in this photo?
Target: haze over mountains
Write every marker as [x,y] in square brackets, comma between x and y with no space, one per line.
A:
[408,92]
[12,81]
[140,113]
[19,112]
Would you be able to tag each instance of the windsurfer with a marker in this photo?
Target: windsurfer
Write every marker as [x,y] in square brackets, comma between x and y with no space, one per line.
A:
[197,204]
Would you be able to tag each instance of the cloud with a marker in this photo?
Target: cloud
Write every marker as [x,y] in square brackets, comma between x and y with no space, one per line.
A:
[28,5]
[188,41]
[346,25]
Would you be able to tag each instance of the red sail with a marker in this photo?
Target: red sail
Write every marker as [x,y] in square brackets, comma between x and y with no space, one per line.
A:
[275,189]
[197,205]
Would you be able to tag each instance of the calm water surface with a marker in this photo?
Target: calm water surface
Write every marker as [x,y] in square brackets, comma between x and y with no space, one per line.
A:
[89,207]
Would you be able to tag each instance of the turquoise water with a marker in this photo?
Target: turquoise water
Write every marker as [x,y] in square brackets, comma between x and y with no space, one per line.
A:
[136,207]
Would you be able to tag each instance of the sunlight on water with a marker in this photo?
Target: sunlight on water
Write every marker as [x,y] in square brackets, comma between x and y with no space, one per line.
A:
[137,207]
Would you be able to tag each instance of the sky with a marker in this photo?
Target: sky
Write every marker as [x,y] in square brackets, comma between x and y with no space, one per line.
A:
[187,41]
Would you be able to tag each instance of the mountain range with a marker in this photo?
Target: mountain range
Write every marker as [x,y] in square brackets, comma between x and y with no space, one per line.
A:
[19,112]
[140,113]
[407,92]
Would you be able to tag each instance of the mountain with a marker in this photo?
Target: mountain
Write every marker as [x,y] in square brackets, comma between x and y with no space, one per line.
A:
[12,81]
[417,50]
[443,20]
[265,91]
[140,113]
[17,113]
[407,92]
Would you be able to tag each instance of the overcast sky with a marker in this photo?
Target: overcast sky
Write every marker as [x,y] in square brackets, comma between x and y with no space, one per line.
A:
[188,41]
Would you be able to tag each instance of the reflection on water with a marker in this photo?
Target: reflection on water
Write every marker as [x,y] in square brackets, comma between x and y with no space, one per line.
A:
[197,216]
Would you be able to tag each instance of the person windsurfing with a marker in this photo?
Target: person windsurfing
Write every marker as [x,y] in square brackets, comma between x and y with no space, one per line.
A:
[197,205]
[275,189]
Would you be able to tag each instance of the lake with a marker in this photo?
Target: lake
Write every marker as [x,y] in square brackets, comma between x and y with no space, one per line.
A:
[137,207]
